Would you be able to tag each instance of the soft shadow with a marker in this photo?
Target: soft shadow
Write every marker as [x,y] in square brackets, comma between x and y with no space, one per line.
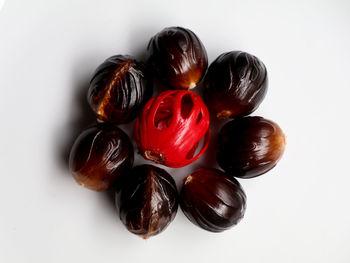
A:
[138,39]
[109,197]
[80,117]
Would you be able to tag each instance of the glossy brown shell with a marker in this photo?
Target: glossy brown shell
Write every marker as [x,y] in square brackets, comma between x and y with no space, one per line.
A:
[100,155]
[212,200]
[148,200]
[177,57]
[118,89]
[235,84]
[250,146]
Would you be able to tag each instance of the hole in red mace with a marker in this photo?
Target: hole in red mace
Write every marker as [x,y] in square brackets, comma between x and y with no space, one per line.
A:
[190,154]
[186,106]
[199,117]
[196,148]
[164,113]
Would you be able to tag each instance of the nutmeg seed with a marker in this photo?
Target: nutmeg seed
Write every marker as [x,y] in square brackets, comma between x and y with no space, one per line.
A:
[170,127]
[177,57]
[148,200]
[249,147]
[212,200]
[235,84]
[118,89]
[100,156]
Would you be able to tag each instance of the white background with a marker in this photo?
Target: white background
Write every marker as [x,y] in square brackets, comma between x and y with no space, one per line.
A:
[298,212]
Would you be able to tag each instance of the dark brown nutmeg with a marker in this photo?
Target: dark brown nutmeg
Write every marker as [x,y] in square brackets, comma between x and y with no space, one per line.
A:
[118,89]
[177,57]
[148,200]
[100,155]
[235,84]
[250,146]
[212,200]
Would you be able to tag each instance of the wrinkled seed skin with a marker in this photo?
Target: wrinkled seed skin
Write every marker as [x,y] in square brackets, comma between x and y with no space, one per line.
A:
[250,146]
[148,200]
[118,89]
[177,57]
[100,155]
[235,84]
[212,200]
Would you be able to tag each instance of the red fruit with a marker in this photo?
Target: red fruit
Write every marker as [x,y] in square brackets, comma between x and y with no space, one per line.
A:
[170,127]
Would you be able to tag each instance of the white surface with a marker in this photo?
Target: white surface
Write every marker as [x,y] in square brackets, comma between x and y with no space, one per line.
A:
[299,212]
